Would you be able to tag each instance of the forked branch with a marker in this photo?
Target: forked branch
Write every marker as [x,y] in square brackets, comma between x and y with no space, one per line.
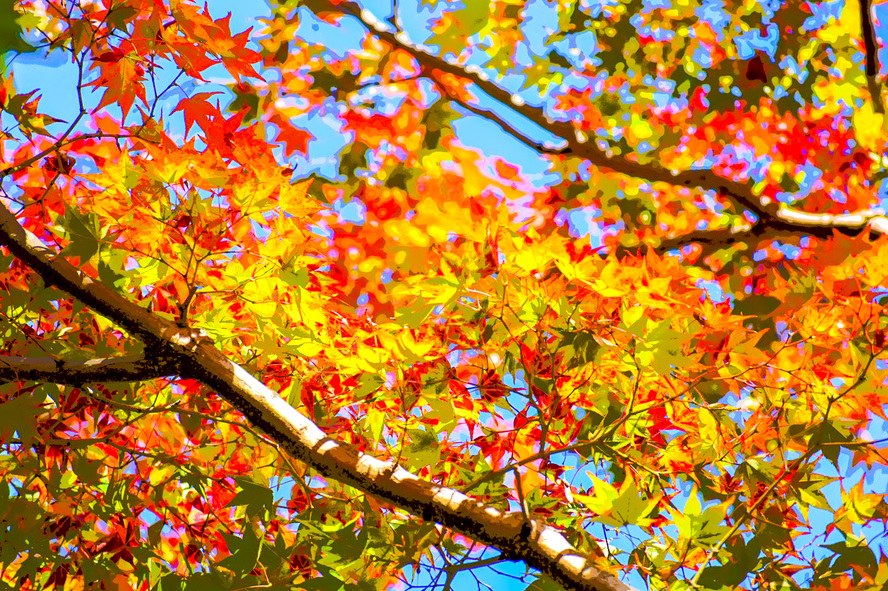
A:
[771,216]
[538,545]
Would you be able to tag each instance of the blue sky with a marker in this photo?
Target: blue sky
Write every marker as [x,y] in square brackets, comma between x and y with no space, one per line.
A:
[56,78]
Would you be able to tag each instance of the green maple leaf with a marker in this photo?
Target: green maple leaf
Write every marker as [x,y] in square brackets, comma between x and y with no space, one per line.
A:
[11,30]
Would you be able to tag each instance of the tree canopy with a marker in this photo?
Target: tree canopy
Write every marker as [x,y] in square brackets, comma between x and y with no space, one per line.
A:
[397,295]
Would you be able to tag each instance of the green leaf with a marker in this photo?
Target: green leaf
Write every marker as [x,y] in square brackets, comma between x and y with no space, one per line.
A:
[423,449]
[245,551]
[82,231]
[738,560]
[579,348]
[257,498]
[11,30]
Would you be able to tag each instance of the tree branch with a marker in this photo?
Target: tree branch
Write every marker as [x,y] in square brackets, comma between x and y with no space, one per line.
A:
[871,51]
[577,142]
[773,215]
[538,545]
[540,147]
[133,368]
[821,226]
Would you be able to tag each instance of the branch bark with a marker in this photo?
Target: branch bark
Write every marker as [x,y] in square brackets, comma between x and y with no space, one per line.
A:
[871,51]
[65,371]
[773,215]
[538,545]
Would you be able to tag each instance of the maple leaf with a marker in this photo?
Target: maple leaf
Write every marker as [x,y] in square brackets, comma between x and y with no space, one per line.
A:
[294,139]
[456,271]
[198,109]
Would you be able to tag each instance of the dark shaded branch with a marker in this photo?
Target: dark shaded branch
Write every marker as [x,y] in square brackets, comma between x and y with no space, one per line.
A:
[61,371]
[540,147]
[577,142]
[804,224]
[709,240]
[871,51]
[771,214]
[538,545]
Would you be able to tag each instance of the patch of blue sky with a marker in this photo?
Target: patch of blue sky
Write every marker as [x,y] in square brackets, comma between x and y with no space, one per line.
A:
[582,220]
[596,7]
[524,55]
[702,57]
[757,166]
[330,139]
[816,538]
[503,575]
[338,40]
[837,195]
[713,290]
[809,180]
[352,211]
[664,99]
[789,64]
[752,40]
[644,147]
[651,5]
[262,232]
[33,70]
[661,84]
[540,22]
[790,251]
[709,201]
[580,50]
[322,229]
[713,12]
[821,14]
[243,15]
[281,489]
[381,8]
[384,99]
[478,132]
[627,97]
[873,534]
[882,192]
[877,430]
[415,17]
[742,403]
[780,92]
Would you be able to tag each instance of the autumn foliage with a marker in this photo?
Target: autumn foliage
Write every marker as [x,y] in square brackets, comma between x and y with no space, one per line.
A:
[629,333]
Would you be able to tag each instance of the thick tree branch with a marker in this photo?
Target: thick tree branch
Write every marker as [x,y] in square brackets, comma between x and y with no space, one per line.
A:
[871,51]
[709,240]
[61,371]
[805,224]
[538,545]
[577,142]
[771,214]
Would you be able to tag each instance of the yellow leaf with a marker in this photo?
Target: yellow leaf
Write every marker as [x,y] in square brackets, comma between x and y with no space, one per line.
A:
[869,127]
